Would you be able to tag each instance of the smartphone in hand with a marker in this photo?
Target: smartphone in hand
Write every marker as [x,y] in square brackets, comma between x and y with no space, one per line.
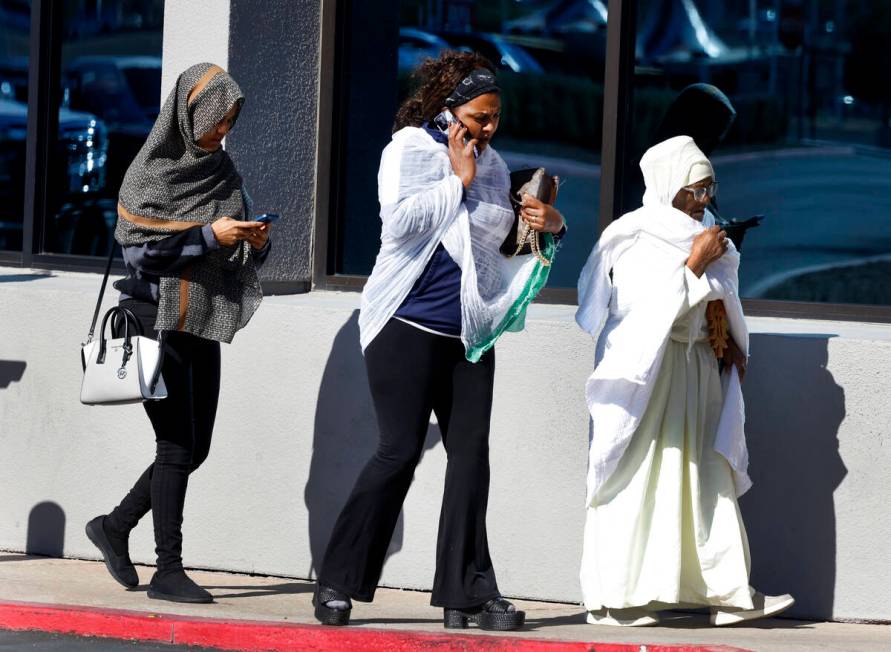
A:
[443,120]
[267,218]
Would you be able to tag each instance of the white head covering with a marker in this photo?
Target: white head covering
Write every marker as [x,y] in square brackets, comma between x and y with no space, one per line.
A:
[669,166]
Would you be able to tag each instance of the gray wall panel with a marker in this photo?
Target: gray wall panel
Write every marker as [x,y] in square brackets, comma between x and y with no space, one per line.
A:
[274,56]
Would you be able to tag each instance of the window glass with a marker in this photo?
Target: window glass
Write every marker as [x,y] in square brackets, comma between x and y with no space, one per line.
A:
[550,68]
[810,83]
[111,92]
[15,25]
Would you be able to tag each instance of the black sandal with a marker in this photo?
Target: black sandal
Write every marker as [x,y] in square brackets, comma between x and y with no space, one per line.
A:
[328,615]
[494,615]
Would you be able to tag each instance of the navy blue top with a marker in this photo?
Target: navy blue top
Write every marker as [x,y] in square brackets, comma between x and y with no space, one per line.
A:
[435,299]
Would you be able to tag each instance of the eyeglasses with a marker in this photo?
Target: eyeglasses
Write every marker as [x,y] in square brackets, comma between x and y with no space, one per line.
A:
[699,193]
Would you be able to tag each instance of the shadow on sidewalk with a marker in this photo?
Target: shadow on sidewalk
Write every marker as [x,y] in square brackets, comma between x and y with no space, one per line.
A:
[285,588]
[377,622]
[669,620]
[699,620]
[19,557]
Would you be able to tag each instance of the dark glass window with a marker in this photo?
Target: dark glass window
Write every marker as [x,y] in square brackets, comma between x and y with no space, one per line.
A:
[110,95]
[550,58]
[810,148]
[15,25]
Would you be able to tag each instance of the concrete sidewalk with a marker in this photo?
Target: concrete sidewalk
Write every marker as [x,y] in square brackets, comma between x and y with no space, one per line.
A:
[85,589]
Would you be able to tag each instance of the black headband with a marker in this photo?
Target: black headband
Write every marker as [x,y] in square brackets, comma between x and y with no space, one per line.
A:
[479,82]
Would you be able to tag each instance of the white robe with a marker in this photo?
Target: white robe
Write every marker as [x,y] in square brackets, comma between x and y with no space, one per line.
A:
[665,528]
[667,452]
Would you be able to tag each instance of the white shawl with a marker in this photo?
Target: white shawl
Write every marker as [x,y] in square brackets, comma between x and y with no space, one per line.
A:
[631,340]
[424,203]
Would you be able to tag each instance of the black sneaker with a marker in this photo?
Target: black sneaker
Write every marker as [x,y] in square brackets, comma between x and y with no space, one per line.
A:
[119,565]
[175,586]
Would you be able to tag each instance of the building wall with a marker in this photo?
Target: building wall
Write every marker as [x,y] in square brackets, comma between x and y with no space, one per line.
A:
[274,56]
[194,31]
[296,424]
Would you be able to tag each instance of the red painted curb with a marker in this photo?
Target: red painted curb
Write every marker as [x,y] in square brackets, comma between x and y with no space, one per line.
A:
[271,636]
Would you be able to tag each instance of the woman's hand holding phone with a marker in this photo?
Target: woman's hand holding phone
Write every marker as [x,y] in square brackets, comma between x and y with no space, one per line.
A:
[259,236]
[230,232]
[461,153]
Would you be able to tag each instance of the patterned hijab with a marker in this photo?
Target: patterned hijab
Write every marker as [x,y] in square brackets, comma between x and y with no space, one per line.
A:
[173,185]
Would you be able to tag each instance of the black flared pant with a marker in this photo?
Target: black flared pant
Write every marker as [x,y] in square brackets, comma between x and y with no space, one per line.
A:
[411,374]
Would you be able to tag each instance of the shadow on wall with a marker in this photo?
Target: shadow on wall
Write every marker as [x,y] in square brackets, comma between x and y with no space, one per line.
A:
[11,371]
[344,439]
[792,427]
[46,530]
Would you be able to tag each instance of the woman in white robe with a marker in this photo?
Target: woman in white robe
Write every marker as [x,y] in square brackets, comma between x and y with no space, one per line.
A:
[667,456]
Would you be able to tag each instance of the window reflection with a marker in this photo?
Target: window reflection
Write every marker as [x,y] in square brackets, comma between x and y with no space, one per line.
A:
[15,24]
[550,60]
[110,90]
[809,147]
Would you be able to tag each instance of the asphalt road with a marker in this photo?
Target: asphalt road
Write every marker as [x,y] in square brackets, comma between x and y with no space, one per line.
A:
[46,642]
[820,210]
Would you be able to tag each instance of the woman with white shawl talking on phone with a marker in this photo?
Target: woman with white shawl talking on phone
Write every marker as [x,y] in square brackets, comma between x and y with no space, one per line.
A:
[667,458]
[440,295]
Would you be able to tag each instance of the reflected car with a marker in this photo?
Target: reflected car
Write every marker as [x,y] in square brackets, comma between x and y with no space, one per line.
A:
[504,54]
[14,78]
[415,45]
[125,93]
[78,168]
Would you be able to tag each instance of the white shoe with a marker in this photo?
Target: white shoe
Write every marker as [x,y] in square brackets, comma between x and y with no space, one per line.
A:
[633,617]
[764,606]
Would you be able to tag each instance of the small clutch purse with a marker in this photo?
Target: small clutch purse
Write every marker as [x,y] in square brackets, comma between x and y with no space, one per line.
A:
[521,239]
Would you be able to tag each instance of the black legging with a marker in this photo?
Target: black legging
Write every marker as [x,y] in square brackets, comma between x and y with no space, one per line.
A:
[411,373]
[183,424]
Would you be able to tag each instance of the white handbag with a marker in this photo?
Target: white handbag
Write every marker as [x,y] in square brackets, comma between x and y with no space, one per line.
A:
[125,369]
[122,370]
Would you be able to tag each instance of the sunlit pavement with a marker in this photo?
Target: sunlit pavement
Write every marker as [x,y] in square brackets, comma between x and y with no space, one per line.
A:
[55,594]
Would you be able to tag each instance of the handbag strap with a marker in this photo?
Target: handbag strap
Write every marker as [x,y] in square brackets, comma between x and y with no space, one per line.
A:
[102,287]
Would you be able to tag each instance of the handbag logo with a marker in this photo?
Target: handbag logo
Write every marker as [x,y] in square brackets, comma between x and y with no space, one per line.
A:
[122,373]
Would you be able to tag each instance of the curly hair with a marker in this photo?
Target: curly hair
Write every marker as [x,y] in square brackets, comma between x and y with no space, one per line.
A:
[437,78]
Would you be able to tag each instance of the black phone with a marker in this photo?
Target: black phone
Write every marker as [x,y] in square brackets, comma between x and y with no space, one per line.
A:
[267,218]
